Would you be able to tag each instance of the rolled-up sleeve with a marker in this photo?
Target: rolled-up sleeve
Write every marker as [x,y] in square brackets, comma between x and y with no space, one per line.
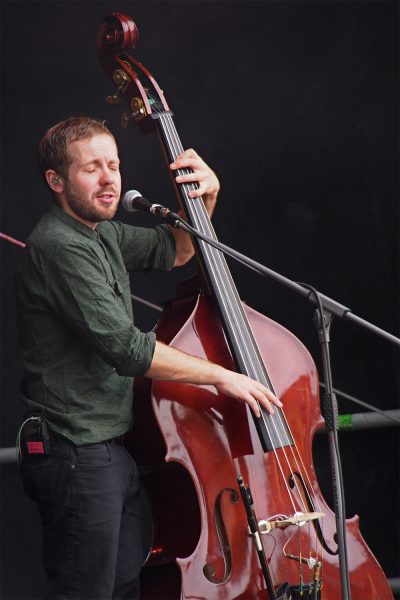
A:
[80,293]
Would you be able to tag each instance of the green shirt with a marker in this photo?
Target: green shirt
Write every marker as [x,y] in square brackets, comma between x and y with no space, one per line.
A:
[80,348]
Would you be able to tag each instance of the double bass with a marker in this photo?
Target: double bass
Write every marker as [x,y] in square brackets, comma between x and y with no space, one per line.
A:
[236,508]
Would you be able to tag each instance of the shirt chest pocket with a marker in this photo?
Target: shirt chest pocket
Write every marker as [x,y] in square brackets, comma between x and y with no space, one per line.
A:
[120,285]
[117,278]
[121,290]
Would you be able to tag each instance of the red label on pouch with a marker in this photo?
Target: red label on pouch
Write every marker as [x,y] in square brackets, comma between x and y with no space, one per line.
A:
[35,447]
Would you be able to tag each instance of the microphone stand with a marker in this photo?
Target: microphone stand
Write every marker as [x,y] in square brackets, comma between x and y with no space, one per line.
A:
[326,309]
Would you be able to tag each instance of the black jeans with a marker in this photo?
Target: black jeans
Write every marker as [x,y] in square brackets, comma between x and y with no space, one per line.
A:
[95,519]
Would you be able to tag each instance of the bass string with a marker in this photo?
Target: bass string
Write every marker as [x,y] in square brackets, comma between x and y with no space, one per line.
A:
[229,297]
[206,226]
[220,273]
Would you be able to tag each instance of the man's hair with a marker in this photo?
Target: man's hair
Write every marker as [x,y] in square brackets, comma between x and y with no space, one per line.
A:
[53,147]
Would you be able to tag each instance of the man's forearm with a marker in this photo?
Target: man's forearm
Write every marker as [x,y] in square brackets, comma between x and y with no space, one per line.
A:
[169,364]
[183,244]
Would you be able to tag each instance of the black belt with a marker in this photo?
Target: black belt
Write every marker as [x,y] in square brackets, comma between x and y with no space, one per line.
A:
[119,439]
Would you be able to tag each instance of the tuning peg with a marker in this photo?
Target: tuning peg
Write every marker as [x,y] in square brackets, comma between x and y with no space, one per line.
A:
[138,109]
[122,80]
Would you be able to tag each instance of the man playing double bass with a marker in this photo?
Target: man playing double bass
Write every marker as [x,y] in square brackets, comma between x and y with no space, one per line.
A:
[81,351]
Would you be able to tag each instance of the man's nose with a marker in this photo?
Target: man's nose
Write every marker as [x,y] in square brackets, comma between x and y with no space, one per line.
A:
[107,176]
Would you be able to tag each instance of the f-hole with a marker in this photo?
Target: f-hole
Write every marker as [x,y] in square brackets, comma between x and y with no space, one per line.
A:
[307,500]
[208,569]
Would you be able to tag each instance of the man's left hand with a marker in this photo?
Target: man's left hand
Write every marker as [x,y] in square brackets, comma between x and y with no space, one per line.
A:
[202,175]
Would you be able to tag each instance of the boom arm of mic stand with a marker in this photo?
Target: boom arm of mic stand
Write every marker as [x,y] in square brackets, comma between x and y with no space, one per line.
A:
[328,304]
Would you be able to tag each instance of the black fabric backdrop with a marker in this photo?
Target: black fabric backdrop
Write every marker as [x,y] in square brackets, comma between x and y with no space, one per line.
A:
[295,105]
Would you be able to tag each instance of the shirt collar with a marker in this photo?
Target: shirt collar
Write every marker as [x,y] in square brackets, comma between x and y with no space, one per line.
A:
[60,214]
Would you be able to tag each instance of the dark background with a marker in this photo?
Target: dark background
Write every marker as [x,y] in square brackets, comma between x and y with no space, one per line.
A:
[295,105]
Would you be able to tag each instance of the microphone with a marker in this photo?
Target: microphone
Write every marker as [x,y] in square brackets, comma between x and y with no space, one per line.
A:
[133,201]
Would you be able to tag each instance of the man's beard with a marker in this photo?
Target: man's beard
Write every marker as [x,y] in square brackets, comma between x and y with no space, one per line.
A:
[92,213]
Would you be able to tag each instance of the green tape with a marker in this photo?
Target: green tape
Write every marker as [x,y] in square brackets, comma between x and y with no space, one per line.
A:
[345,421]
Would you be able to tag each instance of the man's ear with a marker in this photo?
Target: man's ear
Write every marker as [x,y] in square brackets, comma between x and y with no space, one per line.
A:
[55,181]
